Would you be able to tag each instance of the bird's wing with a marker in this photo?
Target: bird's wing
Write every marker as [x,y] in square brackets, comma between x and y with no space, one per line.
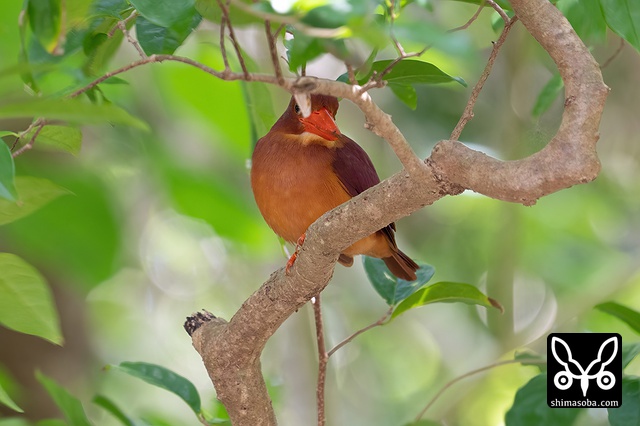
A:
[354,168]
[356,172]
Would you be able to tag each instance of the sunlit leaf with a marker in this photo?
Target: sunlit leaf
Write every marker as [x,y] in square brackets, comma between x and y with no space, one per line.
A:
[210,10]
[60,138]
[423,423]
[629,412]
[623,313]
[5,399]
[164,12]
[629,352]
[446,292]
[44,19]
[111,407]
[26,304]
[528,357]
[393,289]
[52,422]
[14,421]
[33,194]
[165,379]
[530,407]
[415,72]
[7,174]
[155,39]
[623,17]
[547,95]
[71,110]
[68,404]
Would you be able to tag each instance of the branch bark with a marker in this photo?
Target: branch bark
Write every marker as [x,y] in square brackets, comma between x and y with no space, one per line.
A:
[231,350]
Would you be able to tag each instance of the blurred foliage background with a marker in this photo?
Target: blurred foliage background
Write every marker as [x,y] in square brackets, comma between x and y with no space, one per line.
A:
[160,222]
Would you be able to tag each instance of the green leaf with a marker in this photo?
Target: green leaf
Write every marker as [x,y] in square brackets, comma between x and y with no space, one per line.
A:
[7,174]
[623,17]
[52,422]
[393,289]
[164,12]
[210,10]
[165,379]
[110,8]
[72,110]
[44,19]
[155,39]
[26,304]
[111,407]
[68,404]
[33,193]
[446,292]
[424,423]
[414,72]
[14,421]
[5,399]
[406,93]
[530,407]
[547,95]
[4,133]
[302,49]
[629,412]
[629,352]
[623,313]
[529,358]
[59,138]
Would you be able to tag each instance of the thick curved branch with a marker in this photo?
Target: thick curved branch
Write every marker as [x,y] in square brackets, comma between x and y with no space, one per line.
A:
[570,157]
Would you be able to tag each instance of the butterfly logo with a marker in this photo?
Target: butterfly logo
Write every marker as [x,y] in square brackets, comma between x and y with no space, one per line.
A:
[564,379]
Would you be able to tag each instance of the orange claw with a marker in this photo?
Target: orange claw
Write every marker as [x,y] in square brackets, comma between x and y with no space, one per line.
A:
[294,256]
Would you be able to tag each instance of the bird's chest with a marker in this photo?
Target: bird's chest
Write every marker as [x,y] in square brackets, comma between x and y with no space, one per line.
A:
[293,189]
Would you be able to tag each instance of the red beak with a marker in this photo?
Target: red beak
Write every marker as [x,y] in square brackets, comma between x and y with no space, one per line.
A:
[321,123]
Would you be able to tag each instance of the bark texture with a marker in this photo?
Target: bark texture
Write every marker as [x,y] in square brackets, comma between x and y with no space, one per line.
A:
[231,350]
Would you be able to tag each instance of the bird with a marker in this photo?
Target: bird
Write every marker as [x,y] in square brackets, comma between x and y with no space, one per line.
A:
[304,167]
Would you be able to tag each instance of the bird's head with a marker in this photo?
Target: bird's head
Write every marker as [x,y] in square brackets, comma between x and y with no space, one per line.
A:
[321,121]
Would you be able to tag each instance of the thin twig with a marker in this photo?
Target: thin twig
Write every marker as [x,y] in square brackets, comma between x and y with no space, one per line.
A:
[470,21]
[351,73]
[126,21]
[123,27]
[469,374]
[273,50]
[38,125]
[289,20]
[223,48]
[500,11]
[379,322]
[323,357]
[234,40]
[467,115]
[615,54]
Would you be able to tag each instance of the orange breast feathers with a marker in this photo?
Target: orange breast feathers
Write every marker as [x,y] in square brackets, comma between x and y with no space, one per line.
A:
[305,167]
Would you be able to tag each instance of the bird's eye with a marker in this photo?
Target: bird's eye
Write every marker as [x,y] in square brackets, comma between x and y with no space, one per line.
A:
[297,109]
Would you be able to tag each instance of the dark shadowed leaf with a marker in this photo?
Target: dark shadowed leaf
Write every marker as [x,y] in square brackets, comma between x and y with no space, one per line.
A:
[623,17]
[68,404]
[547,95]
[446,292]
[629,412]
[7,173]
[629,352]
[5,399]
[155,39]
[530,407]
[26,304]
[623,313]
[164,12]
[165,379]
[33,193]
[110,8]
[393,289]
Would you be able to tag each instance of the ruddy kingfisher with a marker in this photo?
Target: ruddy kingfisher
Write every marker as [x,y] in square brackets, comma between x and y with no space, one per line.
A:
[305,167]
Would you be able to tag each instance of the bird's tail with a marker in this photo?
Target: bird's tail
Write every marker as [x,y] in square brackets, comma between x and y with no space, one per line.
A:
[402,266]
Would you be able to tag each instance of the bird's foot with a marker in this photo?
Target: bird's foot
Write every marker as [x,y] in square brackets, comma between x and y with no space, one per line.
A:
[294,256]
